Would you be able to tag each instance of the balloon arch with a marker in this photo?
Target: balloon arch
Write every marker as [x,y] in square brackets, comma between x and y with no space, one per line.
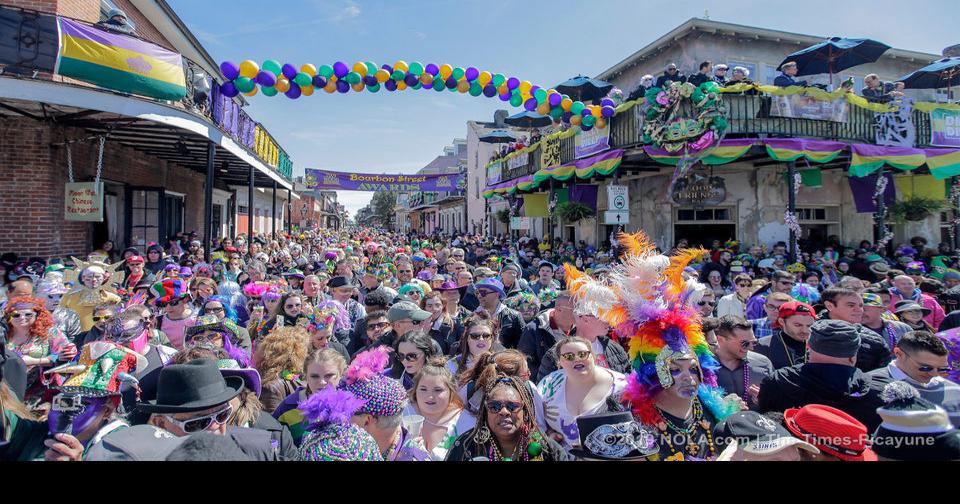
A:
[271,78]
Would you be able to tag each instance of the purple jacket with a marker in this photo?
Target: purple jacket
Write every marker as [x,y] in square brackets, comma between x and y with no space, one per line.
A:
[755,304]
[408,450]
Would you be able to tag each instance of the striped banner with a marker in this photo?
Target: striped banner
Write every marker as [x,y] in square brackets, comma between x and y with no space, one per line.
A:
[867,159]
[727,152]
[792,149]
[119,62]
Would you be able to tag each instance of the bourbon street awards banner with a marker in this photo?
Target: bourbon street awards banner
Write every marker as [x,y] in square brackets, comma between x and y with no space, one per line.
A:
[328,180]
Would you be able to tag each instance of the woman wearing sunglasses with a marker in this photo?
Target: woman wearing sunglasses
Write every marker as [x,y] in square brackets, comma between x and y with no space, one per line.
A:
[413,349]
[173,298]
[443,328]
[289,313]
[478,338]
[326,320]
[33,335]
[579,387]
[506,427]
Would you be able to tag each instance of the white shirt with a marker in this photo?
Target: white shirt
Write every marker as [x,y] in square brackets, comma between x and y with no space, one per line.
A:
[554,391]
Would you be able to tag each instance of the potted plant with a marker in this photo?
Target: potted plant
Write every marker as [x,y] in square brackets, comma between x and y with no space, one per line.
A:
[916,208]
[571,211]
[503,215]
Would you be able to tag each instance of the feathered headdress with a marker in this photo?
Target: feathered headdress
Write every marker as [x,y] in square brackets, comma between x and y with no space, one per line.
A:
[650,306]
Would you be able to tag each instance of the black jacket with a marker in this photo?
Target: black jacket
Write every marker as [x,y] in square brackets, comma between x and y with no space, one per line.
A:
[874,351]
[772,347]
[466,449]
[784,80]
[511,327]
[662,80]
[537,339]
[616,357]
[280,435]
[699,78]
[843,387]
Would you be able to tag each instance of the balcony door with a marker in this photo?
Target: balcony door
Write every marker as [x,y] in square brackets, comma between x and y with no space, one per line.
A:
[145,211]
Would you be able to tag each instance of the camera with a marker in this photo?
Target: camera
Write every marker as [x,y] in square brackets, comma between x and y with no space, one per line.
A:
[69,406]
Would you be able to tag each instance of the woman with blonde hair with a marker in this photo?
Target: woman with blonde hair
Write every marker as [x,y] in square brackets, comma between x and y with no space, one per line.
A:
[279,358]
[434,397]
[323,367]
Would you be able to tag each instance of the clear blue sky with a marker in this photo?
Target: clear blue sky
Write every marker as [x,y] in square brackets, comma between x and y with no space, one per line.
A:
[545,42]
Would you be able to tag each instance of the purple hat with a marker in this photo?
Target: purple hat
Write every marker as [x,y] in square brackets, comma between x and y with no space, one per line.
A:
[186,272]
[251,377]
[492,284]
[383,396]
[425,275]
[171,267]
[449,285]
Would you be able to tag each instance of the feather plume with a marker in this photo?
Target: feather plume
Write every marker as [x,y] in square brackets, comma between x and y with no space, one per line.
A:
[674,273]
[330,406]
[636,244]
[368,364]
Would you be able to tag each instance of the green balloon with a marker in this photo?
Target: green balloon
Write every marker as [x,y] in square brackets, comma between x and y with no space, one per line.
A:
[398,75]
[438,84]
[452,90]
[577,107]
[540,95]
[458,73]
[475,89]
[269,91]
[516,100]
[416,68]
[302,79]
[498,80]
[374,88]
[418,86]
[244,85]
[353,78]
[371,67]
[556,112]
[326,71]
[589,120]
[272,67]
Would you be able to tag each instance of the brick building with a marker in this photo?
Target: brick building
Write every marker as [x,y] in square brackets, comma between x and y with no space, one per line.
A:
[157,156]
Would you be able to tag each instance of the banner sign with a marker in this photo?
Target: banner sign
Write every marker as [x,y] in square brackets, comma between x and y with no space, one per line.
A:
[494,173]
[328,180]
[896,129]
[520,223]
[550,152]
[591,142]
[699,191]
[518,161]
[618,198]
[83,201]
[806,107]
[945,127]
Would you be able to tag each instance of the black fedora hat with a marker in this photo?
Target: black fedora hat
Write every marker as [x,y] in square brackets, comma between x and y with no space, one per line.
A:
[614,436]
[194,386]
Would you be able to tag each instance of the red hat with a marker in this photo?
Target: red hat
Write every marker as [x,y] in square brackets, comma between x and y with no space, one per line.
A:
[135,259]
[832,431]
[791,308]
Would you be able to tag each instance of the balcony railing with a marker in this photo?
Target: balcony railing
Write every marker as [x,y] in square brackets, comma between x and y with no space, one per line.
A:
[748,117]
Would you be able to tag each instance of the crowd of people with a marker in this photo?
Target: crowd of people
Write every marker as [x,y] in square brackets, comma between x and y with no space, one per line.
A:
[369,345]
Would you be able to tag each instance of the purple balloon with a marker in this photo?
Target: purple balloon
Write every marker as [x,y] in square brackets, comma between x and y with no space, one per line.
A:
[319,82]
[388,68]
[343,87]
[370,80]
[411,79]
[391,85]
[585,112]
[432,69]
[566,117]
[608,111]
[340,69]
[229,90]
[533,89]
[472,74]
[451,83]
[555,100]
[290,71]
[294,92]
[230,70]
[489,91]
[607,102]
[513,83]
[530,104]
[266,79]
[505,97]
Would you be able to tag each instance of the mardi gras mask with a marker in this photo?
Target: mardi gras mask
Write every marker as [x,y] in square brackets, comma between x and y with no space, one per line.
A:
[93,277]
[666,358]
[619,440]
[131,336]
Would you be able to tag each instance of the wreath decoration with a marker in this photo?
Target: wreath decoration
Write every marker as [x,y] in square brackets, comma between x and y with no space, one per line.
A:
[667,127]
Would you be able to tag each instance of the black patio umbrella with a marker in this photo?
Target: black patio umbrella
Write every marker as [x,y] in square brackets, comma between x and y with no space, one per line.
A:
[836,54]
[940,74]
[529,119]
[498,137]
[584,88]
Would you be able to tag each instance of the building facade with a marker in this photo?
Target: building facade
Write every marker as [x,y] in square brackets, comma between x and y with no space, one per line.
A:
[431,212]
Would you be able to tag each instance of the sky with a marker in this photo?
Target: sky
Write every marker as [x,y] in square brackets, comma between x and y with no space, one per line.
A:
[545,42]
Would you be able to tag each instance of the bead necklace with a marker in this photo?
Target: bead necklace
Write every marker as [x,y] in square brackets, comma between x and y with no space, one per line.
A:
[890,335]
[746,381]
[697,422]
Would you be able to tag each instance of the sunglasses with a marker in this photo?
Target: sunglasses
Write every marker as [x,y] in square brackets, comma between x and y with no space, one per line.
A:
[572,356]
[106,318]
[27,315]
[744,284]
[481,336]
[203,423]
[214,310]
[744,345]
[410,357]
[173,303]
[376,327]
[497,406]
[704,303]
[482,292]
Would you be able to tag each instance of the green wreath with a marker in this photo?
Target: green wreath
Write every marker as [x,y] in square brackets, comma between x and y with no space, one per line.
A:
[668,129]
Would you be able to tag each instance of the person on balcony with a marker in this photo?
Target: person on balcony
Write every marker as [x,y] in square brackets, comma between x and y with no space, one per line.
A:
[877,91]
[117,21]
[787,73]
[720,74]
[703,75]
[670,75]
[646,82]
[741,76]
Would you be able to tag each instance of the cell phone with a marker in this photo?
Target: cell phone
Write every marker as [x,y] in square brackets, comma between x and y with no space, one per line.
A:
[69,406]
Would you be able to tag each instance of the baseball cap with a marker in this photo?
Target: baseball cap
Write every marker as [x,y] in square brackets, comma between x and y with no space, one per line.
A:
[791,308]
[406,310]
[754,433]
[873,300]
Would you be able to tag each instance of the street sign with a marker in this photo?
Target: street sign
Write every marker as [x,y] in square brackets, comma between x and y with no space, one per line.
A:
[614,217]
[617,198]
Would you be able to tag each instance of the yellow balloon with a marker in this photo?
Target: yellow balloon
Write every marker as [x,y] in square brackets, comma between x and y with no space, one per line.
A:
[543,108]
[401,65]
[525,87]
[575,120]
[252,93]
[463,86]
[401,86]
[484,78]
[283,85]
[358,87]
[331,87]
[382,76]
[249,69]
[503,89]
[566,104]
[525,96]
[309,70]
[601,123]
[307,91]
[595,111]
[446,71]
[333,79]
[426,79]
[360,68]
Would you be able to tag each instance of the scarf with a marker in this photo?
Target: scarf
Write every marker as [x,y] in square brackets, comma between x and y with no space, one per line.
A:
[915,296]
